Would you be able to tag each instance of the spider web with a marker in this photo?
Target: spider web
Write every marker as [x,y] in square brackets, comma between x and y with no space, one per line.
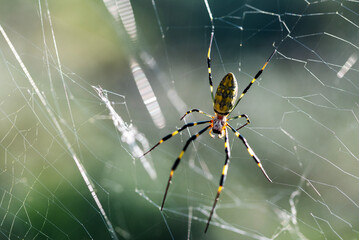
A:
[88,86]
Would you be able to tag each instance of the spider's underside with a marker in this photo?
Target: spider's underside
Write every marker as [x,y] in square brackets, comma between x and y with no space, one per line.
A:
[224,102]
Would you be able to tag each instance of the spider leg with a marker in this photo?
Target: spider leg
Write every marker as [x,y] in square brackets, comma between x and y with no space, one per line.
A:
[175,133]
[223,177]
[196,110]
[254,79]
[240,116]
[250,151]
[209,65]
[192,138]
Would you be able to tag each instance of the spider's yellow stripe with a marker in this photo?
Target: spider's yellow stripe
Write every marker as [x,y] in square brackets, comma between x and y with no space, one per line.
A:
[219,189]
[209,70]
[259,165]
[225,169]
[174,133]
[171,174]
[181,154]
[264,66]
[161,141]
[250,151]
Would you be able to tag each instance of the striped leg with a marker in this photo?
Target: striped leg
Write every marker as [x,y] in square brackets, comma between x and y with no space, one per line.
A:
[196,110]
[250,151]
[209,66]
[175,133]
[192,138]
[223,177]
[240,116]
[254,79]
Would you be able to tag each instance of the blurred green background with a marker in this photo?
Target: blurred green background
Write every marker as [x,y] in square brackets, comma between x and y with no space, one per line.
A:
[304,120]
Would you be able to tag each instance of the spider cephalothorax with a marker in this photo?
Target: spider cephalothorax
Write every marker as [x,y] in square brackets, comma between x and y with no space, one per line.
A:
[224,102]
[218,125]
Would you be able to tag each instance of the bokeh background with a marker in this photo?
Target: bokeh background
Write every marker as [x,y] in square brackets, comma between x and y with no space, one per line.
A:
[304,116]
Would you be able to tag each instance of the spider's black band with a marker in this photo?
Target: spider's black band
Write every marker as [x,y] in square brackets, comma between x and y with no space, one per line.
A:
[167,137]
[221,181]
[258,74]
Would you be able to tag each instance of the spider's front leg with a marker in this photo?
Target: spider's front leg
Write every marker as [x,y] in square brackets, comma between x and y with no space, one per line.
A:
[241,116]
[255,78]
[196,110]
[209,66]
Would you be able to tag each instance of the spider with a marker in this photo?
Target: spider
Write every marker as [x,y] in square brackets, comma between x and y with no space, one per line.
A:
[224,102]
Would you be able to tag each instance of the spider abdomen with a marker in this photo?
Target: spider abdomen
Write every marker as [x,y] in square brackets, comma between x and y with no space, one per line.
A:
[226,95]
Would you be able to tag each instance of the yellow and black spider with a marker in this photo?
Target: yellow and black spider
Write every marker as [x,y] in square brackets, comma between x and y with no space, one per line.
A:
[224,102]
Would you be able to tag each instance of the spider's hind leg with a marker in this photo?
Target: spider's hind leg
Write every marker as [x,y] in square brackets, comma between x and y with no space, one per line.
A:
[175,165]
[175,133]
[223,177]
[250,151]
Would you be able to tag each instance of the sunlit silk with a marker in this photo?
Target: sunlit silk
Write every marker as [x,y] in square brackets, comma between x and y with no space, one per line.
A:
[348,64]
[147,95]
